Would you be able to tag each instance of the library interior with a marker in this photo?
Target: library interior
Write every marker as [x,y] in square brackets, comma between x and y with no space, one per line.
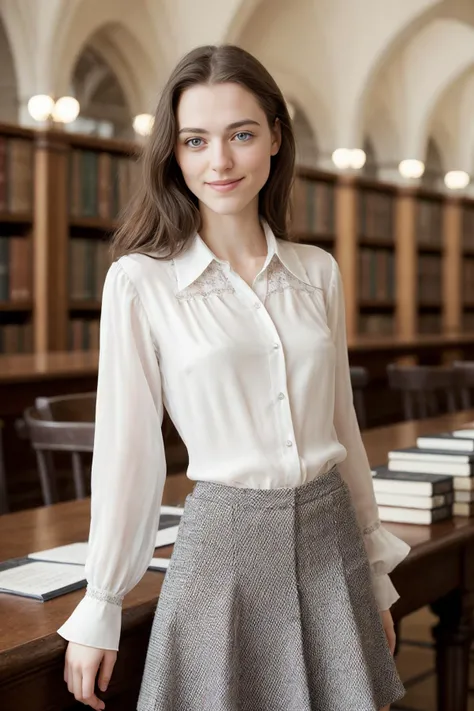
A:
[379,96]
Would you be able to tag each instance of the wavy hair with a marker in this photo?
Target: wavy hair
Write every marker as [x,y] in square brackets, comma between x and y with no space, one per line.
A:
[164,214]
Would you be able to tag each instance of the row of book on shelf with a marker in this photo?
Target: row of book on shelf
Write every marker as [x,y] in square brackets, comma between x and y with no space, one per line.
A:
[15,268]
[83,335]
[429,482]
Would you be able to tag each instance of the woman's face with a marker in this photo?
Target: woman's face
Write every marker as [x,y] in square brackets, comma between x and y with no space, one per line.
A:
[224,146]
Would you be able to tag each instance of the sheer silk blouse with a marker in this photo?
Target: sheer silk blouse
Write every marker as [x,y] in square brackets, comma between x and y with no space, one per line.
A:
[256,380]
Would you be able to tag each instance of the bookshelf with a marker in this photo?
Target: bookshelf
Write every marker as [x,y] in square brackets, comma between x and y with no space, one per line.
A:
[92,179]
[376,258]
[467,265]
[429,238]
[16,225]
[406,255]
[313,208]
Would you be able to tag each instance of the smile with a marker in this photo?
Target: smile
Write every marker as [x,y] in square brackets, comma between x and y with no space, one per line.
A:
[225,186]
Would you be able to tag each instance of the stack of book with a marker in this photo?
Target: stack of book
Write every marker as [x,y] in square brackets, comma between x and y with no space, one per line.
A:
[429,482]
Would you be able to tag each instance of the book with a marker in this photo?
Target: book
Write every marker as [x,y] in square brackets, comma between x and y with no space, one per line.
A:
[410,483]
[446,442]
[159,564]
[464,496]
[395,514]
[413,502]
[166,536]
[431,461]
[463,433]
[463,483]
[71,554]
[76,553]
[463,508]
[40,580]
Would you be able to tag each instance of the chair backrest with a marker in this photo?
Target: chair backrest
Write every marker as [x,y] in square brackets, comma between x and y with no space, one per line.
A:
[67,408]
[464,376]
[4,507]
[420,386]
[359,381]
[61,424]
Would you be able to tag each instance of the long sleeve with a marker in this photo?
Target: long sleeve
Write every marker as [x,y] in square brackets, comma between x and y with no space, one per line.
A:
[385,551]
[128,465]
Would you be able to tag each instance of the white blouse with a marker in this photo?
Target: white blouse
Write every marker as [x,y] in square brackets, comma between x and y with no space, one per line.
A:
[255,379]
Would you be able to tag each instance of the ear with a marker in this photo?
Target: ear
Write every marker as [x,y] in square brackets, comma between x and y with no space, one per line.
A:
[276,137]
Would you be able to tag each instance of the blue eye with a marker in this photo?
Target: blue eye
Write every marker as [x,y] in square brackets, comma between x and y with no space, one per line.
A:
[247,135]
[193,145]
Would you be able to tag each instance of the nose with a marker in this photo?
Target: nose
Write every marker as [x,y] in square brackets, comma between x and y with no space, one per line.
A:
[221,156]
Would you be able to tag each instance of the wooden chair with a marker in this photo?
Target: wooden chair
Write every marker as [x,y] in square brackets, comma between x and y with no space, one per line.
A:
[4,507]
[421,386]
[60,424]
[464,377]
[359,381]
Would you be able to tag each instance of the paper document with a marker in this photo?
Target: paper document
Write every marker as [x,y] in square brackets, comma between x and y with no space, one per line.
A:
[166,536]
[74,554]
[172,510]
[41,580]
[159,563]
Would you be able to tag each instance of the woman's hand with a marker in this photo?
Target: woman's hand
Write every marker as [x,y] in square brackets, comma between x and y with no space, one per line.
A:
[80,672]
[389,628]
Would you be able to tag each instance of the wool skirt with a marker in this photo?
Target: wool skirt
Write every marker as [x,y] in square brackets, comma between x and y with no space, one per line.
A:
[268,605]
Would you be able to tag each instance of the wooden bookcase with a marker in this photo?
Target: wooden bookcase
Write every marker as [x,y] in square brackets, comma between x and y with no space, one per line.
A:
[313,208]
[16,244]
[406,255]
[465,268]
[429,239]
[376,258]
[82,184]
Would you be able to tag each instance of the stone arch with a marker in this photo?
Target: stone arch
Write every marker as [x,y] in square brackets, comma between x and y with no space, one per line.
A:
[244,12]
[8,81]
[413,84]
[370,169]
[306,141]
[101,95]
[434,169]
[132,48]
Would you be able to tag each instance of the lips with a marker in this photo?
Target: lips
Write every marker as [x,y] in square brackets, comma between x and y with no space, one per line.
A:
[224,186]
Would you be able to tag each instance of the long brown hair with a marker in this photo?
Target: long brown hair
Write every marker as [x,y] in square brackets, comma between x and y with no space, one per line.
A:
[164,214]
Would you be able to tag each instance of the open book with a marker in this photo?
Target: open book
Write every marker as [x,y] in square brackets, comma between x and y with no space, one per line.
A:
[40,580]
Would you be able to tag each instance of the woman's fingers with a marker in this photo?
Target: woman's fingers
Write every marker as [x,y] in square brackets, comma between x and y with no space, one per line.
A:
[106,669]
[88,685]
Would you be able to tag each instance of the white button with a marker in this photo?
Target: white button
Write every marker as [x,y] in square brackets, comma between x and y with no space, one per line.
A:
[281,396]
[257,305]
[289,443]
[276,346]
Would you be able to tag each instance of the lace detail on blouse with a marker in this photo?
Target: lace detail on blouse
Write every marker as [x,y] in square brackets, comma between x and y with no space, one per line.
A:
[212,282]
[279,279]
[104,596]
[370,529]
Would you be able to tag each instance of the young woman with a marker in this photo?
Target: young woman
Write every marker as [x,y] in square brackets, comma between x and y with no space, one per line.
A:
[277,596]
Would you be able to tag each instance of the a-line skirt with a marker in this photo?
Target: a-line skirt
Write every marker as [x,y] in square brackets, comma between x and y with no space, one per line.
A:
[267,605]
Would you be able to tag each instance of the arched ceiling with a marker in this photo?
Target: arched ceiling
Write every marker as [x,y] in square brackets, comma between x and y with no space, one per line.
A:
[355,69]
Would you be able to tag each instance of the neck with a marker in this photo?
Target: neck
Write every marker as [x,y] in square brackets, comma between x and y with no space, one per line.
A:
[234,238]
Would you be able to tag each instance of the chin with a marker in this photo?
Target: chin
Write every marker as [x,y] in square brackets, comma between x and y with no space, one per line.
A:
[231,205]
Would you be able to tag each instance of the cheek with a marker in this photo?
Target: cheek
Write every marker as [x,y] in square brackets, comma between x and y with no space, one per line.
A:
[258,162]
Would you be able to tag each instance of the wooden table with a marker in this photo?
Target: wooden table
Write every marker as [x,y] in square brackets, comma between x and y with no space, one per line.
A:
[438,572]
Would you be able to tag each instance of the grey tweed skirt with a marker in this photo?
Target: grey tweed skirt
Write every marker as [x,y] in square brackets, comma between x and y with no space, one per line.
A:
[267,605]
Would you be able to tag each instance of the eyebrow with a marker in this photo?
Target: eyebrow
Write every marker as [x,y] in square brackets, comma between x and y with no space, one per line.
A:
[231,126]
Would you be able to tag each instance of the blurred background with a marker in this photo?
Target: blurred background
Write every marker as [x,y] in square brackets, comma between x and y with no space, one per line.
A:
[381,95]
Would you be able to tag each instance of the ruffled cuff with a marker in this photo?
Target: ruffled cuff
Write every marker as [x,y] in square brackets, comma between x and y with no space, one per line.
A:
[96,622]
[385,592]
[385,551]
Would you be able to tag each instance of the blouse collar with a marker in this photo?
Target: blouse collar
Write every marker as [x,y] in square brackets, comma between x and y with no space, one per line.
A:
[191,263]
